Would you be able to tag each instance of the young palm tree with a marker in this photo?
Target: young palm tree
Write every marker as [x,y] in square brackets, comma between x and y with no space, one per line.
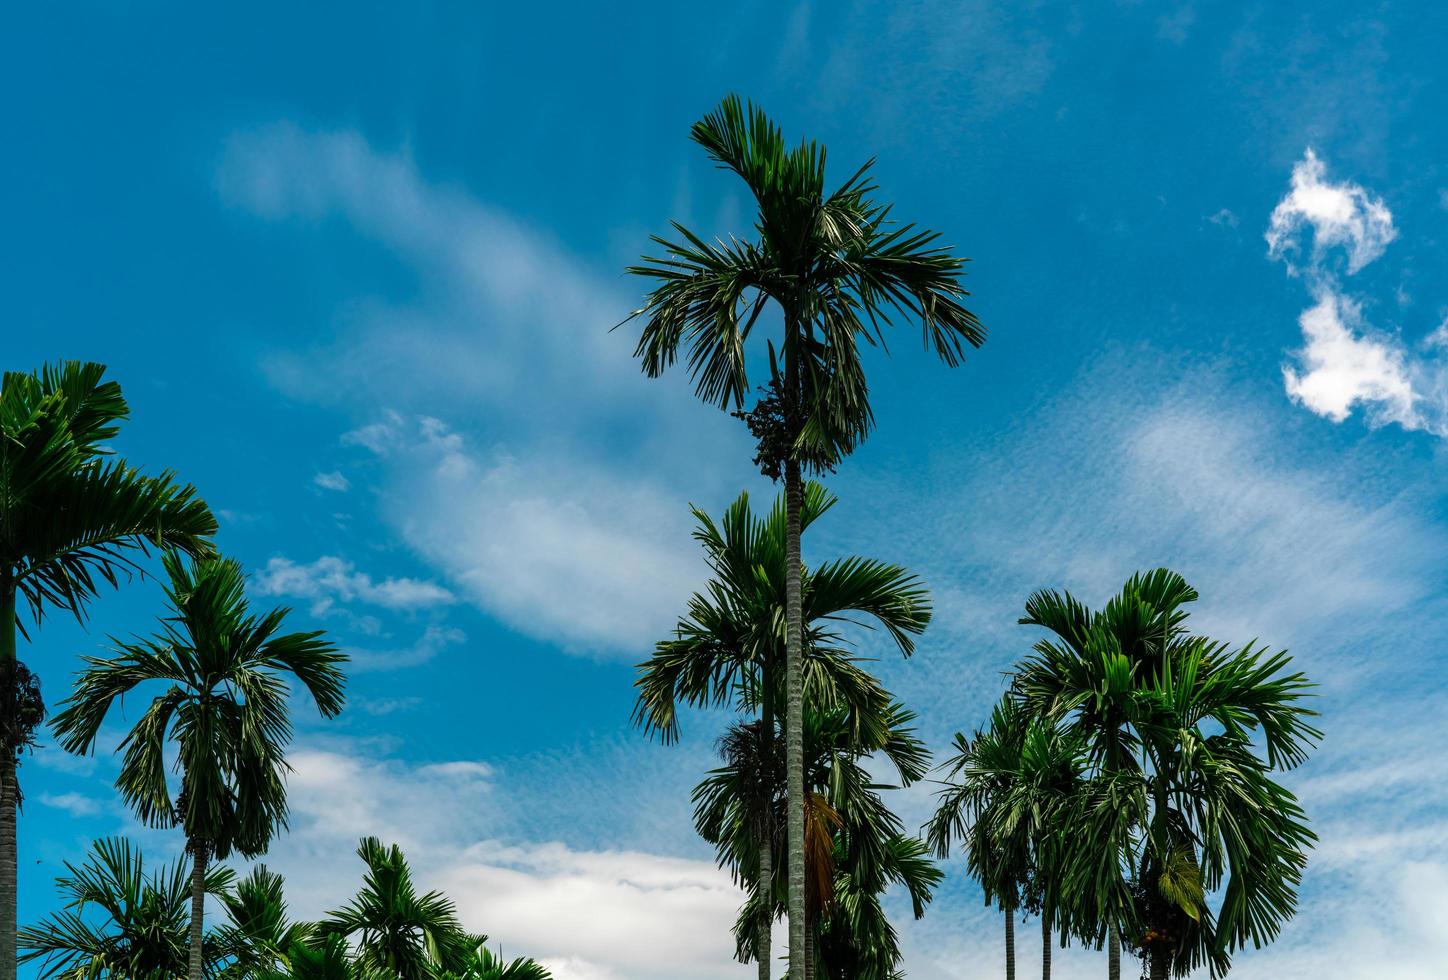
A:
[226,711]
[117,921]
[1180,803]
[398,933]
[1008,789]
[72,517]
[730,646]
[838,270]
[258,936]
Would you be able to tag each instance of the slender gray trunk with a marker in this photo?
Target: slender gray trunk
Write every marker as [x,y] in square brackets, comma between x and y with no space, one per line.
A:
[198,909]
[794,717]
[1045,948]
[766,842]
[1113,955]
[9,789]
[1010,944]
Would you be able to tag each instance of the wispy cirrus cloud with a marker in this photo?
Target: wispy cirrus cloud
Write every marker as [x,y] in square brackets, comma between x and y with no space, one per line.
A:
[330,580]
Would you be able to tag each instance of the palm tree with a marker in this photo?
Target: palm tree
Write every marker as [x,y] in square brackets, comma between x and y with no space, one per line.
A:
[483,964]
[1180,802]
[398,933]
[258,936]
[72,517]
[118,922]
[730,646]
[856,846]
[225,709]
[1007,790]
[838,270]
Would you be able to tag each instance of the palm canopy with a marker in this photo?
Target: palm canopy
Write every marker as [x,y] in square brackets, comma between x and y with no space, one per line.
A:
[1006,792]
[856,846]
[226,708]
[730,643]
[258,936]
[73,516]
[1182,735]
[117,921]
[397,932]
[839,269]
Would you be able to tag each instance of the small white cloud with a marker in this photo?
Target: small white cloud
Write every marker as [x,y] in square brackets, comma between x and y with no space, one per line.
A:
[333,481]
[381,707]
[1342,366]
[1339,214]
[1177,26]
[433,641]
[330,580]
[1224,219]
[76,804]
[380,437]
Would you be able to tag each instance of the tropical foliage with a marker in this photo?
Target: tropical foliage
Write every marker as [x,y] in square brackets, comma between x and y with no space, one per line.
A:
[73,517]
[839,271]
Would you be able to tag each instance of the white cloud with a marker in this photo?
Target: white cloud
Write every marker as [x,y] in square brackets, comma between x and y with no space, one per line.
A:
[557,548]
[76,804]
[434,639]
[1343,366]
[1344,363]
[1343,215]
[333,480]
[330,580]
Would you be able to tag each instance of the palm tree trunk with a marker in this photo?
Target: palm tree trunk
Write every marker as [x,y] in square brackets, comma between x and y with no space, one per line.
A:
[1113,955]
[766,835]
[1010,944]
[794,715]
[198,907]
[1160,963]
[1045,948]
[9,795]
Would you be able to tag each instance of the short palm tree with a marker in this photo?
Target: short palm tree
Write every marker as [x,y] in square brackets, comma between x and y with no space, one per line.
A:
[483,964]
[730,646]
[1182,736]
[396,932]
[118,922]
[838,270]
[1007,791]
[258,936]
[225,709]
[72,518]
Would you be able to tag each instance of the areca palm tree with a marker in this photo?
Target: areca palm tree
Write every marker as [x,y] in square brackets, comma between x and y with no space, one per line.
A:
[839,270]
[483,964]
[1183,735]
[118,922]
[730,646]
[855,845]
[258,936]
[73,517]
[398,933]
[225,708]
[1008,790]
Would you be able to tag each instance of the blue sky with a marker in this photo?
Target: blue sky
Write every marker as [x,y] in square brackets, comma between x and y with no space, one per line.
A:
[355,267]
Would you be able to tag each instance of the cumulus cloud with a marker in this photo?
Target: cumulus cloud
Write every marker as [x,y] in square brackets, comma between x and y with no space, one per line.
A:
[330,580]
[1344,214]
[1346,363]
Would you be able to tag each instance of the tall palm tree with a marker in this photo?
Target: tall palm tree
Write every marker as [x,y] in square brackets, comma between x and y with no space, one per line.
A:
[856,846]
[258,936]
[1007,791]
[730,646]
[838,270]
[72,517]
[226,710]
[1182,735]
[118,922]
[397,932]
